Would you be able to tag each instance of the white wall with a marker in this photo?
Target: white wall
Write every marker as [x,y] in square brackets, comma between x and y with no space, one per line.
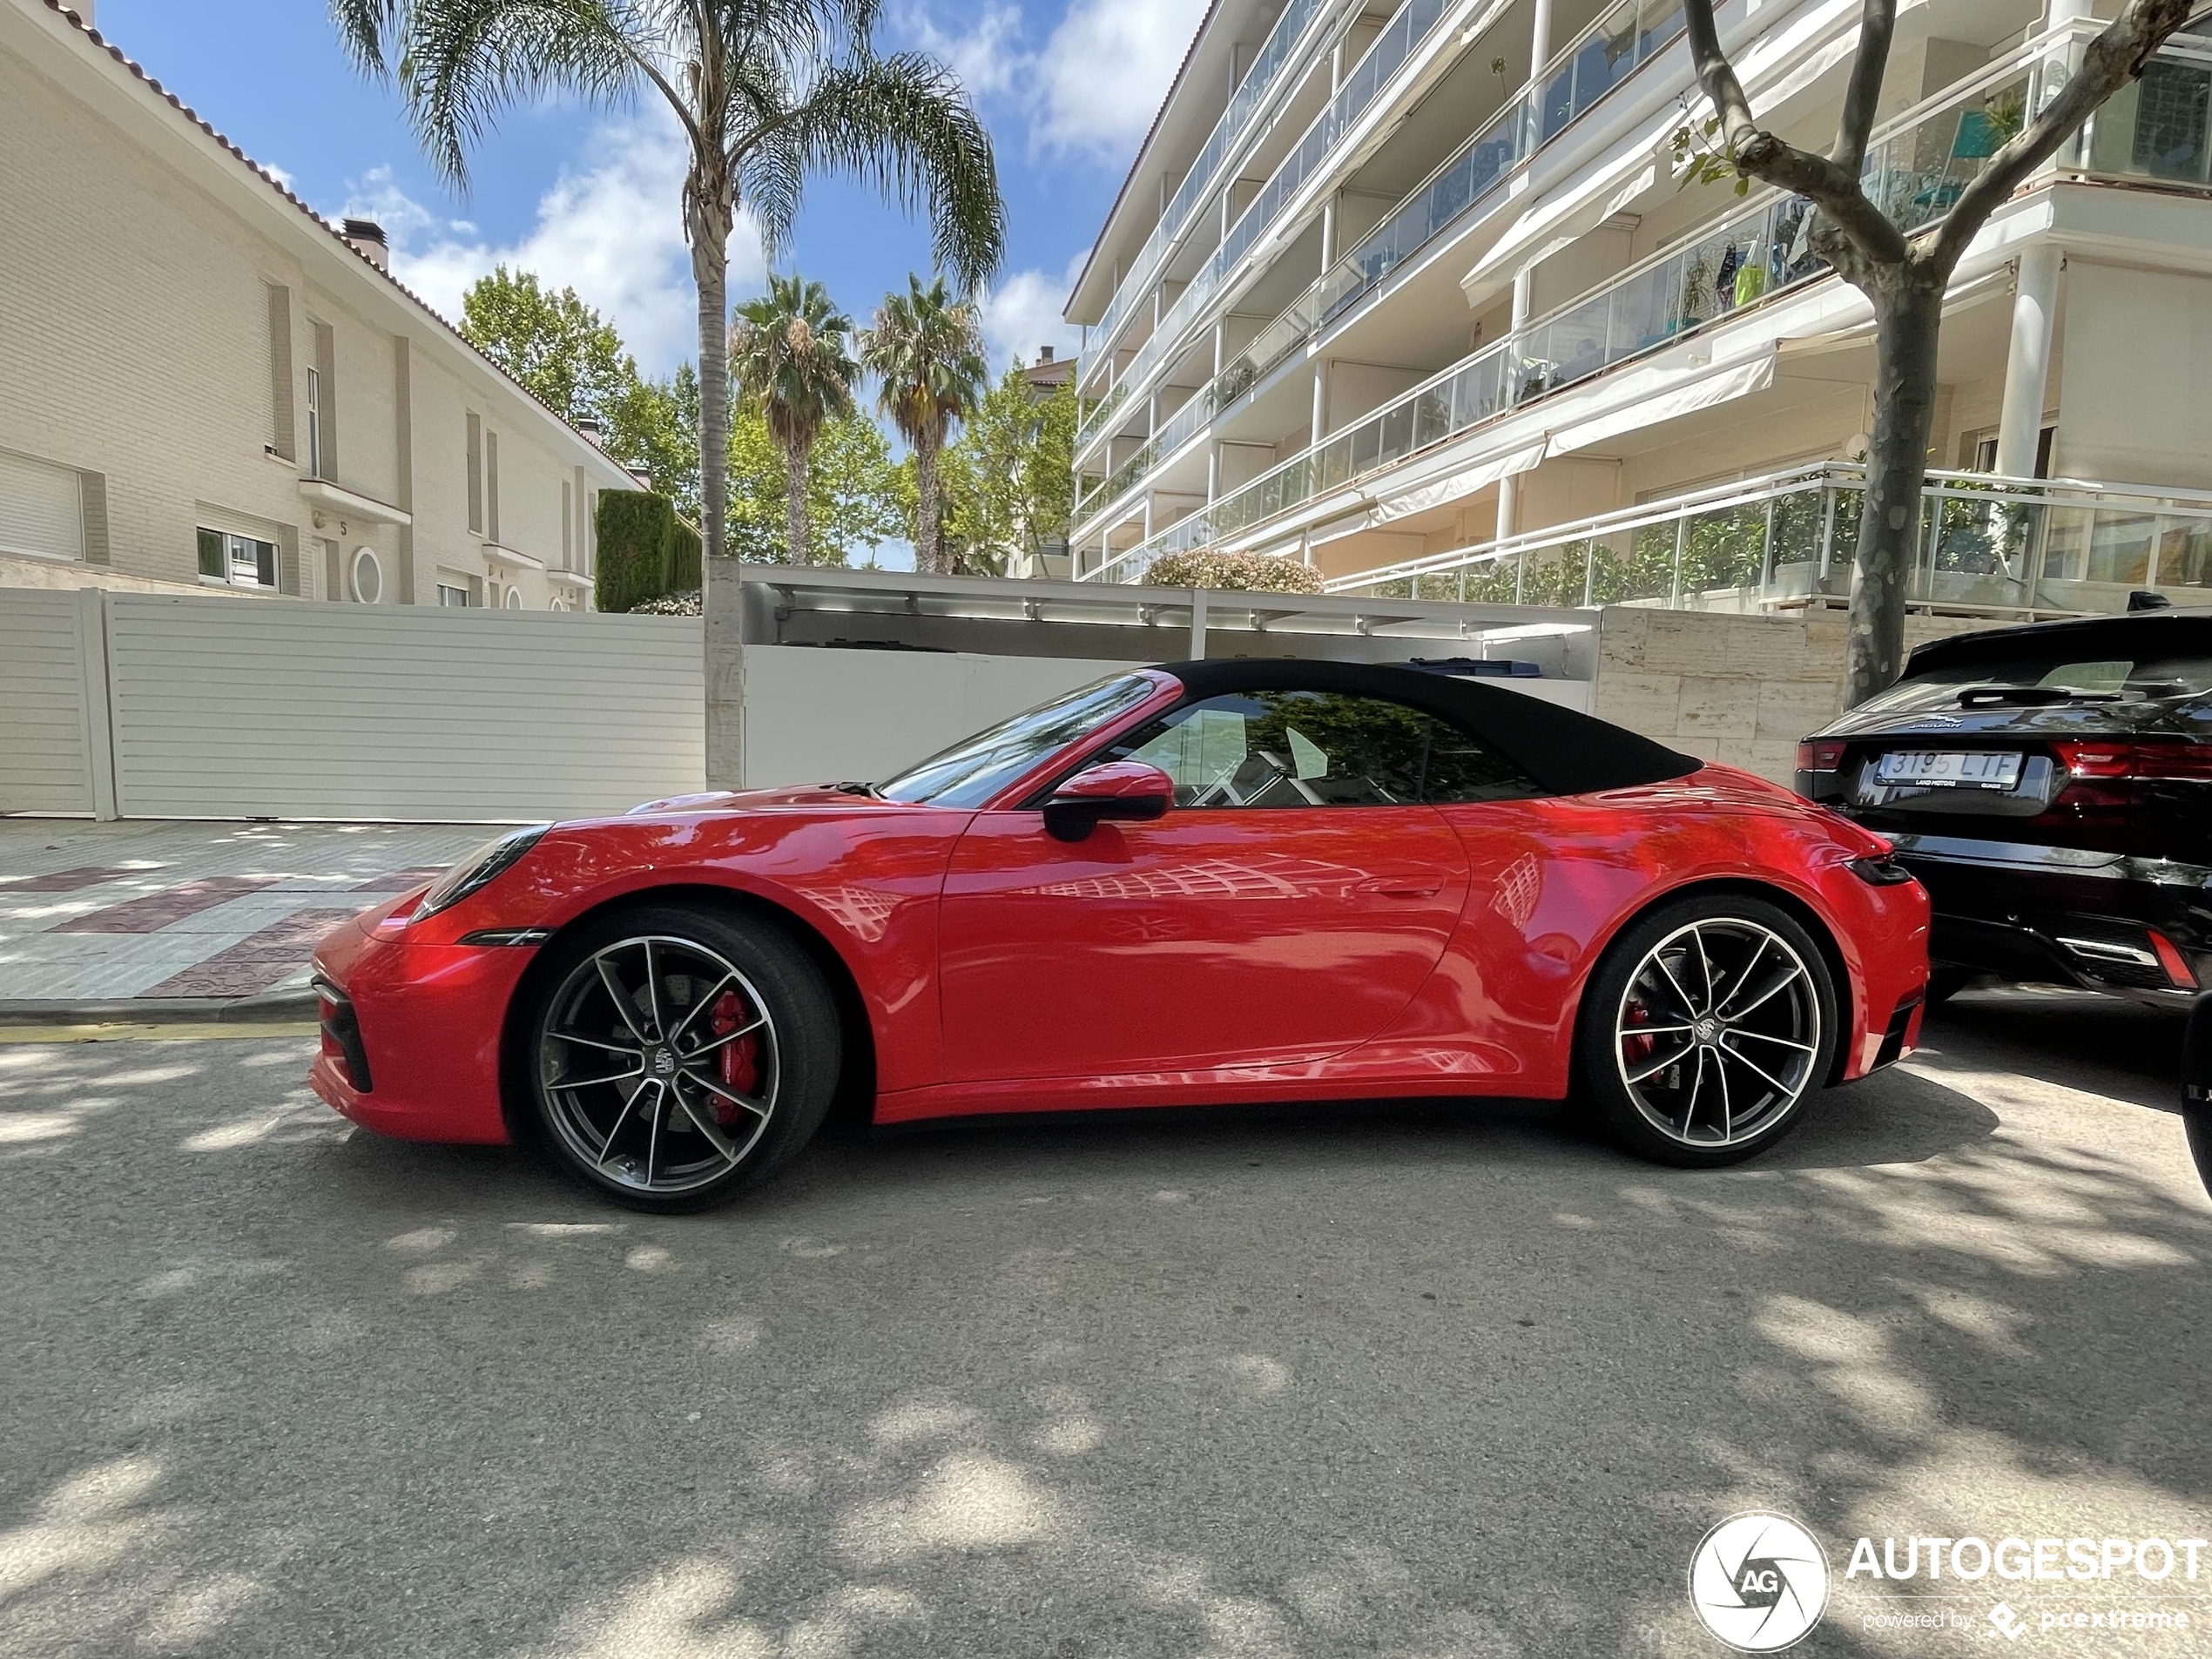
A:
[2118,421]
[814,715]
[44,754]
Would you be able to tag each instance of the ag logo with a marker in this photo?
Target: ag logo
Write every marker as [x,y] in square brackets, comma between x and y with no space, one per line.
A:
[1758,1581]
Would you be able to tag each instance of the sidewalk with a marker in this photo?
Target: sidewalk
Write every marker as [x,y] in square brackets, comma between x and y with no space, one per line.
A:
[197,913]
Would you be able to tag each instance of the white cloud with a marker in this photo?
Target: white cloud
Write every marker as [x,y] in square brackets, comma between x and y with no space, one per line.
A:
[1022,313]
[1093,86]
[1104,71]
[612,228]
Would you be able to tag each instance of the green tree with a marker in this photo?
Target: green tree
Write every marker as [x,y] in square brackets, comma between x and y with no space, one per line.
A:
[1902,264]
[769,94]
[791,357]
[852,497]
[928,350]
[1008,481]
[564,352]
[655,425]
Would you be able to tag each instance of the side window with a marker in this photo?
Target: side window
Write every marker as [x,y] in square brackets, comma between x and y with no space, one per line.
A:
[1318,749]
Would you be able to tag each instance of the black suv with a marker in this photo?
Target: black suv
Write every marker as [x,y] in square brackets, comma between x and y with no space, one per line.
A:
[2050,786]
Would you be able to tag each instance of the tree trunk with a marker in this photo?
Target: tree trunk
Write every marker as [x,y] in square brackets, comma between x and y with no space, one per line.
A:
[1908,308]
[711,266]
[928,541]
[798,535]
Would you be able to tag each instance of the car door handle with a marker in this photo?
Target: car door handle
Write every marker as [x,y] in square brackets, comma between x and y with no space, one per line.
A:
[1401,887]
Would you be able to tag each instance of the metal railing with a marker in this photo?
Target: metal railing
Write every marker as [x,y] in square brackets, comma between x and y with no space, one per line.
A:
[1275,51]
[2001,546]
[1603,55]
[1914,171]
[1414,22]
[1174,432]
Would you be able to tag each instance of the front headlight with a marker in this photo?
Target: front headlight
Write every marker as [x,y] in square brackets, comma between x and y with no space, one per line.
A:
[478,869]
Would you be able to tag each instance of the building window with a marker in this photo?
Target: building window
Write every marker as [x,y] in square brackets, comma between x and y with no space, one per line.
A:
[42,508]
[450,595]
[314,423]
[236,561]
[514,598]
[368,575]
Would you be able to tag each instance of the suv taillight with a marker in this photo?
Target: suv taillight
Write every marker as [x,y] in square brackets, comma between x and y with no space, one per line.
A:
[2086,758]
[1820,754]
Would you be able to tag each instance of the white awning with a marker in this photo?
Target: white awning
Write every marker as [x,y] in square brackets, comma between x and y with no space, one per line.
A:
[1666,402]
[1452,486]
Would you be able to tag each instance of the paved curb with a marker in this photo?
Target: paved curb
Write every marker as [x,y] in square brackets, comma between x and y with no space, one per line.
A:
[267,1008]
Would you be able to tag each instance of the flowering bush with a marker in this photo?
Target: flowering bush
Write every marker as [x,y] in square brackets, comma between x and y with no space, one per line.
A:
[686,604]
[1238,572]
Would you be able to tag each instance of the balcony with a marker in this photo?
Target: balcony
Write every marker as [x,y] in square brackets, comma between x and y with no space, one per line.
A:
[2011,546]
[1415,23]
[1915,170]
[1599,59]
[1279,49]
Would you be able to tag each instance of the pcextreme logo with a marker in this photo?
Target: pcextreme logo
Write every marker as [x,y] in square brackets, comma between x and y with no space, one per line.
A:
[1758,1581]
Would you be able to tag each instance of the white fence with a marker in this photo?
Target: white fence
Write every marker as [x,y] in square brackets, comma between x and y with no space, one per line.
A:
[144,705]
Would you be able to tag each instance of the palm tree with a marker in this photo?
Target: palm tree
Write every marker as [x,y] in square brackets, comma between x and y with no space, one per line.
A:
[789,352]
[929,351]
[768,93]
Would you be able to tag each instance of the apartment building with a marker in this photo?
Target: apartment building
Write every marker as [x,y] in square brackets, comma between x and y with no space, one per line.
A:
[1416,291]
[203,386]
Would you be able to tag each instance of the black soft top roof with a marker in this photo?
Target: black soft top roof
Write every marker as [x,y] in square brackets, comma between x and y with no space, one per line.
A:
[1567,753]
[2142,634]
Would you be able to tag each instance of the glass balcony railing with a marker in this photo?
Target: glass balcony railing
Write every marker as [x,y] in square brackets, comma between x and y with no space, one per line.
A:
[1175,431]
[1585,70]
[1915,170]
[1095,419]
[1414,22]
[1275,51]
[1995,545]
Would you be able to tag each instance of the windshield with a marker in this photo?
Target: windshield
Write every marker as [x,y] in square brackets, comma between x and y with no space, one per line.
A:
[2046,679]
[974,770]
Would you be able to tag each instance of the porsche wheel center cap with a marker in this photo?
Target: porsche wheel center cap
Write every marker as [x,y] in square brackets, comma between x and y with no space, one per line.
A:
[1707,1032]
[662,1062]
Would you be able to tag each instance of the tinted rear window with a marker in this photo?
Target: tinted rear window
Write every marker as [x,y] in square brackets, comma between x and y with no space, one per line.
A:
[2100,679]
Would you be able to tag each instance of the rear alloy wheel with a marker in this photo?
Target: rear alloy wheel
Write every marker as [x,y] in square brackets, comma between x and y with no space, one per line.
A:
[1706,1029]
[680,1057]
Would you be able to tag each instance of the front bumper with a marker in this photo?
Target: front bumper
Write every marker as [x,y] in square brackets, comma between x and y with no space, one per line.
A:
[2056,915]
[422,1062]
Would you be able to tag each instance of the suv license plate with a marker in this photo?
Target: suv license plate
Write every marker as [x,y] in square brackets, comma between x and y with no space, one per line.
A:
[1948,769]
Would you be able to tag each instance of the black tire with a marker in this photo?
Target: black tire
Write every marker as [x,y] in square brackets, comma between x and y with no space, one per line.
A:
[735,1039]
[1756,1064]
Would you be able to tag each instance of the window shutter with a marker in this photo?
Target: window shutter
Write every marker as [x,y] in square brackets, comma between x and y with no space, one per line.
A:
[281,438]
[93,489]
[475,474]
[491,484]
[327,407]
[42,508]
[288,569]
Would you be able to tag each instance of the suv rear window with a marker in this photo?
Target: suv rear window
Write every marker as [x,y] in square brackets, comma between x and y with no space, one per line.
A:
[2103,680]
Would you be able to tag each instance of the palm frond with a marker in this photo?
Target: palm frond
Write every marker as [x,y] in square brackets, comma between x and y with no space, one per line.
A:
[468,61]
[903,125]
[364,26]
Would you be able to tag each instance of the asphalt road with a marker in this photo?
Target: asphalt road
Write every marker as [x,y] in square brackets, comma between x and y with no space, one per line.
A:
[1430,1383]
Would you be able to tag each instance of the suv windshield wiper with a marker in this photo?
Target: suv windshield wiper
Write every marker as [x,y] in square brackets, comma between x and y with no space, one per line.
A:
[2030,697]
[868,790]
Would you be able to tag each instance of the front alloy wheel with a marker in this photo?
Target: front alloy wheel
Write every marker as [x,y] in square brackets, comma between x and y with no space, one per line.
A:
[676,1058]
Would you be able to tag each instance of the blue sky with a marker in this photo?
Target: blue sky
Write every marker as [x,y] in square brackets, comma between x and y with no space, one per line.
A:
[588,196]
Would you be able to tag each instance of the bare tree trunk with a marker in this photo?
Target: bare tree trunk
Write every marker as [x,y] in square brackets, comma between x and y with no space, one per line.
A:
[710,266]
[1908,309]
[799,533]
[929,543]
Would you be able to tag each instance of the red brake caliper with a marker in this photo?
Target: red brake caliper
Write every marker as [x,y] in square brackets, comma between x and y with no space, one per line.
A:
[1637,1049]
[740,1059]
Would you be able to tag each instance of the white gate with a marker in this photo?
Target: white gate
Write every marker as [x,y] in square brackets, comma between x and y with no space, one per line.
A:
[224,708]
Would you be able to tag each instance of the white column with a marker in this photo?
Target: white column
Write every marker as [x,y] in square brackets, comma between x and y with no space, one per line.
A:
[1336,67]
[2027,363]
[1213,472]
[1318,428]
[1524,288]
[1328,233]
[1539,45]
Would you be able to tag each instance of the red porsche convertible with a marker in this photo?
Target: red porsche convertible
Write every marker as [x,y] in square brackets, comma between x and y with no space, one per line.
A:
[1210,882]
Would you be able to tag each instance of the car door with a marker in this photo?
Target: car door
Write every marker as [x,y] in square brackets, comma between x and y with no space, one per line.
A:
[1288,906]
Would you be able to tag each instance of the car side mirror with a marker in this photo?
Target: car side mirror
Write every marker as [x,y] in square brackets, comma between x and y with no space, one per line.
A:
[1119,789]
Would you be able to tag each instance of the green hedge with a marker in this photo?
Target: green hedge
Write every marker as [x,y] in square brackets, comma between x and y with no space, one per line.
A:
[684,571]
[638,549]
